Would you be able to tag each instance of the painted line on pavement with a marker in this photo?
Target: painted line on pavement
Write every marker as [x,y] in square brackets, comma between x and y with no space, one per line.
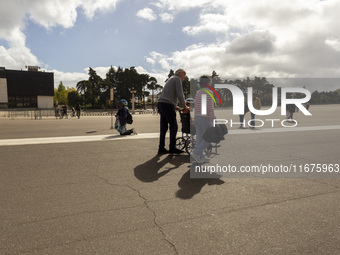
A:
[74,139]
[112,137]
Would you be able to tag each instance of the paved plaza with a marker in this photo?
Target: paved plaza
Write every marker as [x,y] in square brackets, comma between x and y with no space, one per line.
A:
[70,186]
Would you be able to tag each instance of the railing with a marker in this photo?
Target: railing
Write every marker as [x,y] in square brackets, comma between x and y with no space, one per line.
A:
[27,113]
[50,113]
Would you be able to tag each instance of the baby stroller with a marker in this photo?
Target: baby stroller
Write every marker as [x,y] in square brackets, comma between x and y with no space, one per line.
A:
[188,139]
[186,142]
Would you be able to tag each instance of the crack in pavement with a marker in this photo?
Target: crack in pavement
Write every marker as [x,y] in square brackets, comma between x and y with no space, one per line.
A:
[145,201]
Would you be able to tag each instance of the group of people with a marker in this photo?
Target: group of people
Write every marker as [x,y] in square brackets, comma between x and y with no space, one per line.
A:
[62,113]
[172,99]
[171,95]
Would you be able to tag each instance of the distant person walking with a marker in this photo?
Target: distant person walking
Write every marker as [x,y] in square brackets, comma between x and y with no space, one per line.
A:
[65,111]
[122,116]
[246,109]
[167,106]
[257,106]
[73,112]
[78,109]
[290,109]
[57,112]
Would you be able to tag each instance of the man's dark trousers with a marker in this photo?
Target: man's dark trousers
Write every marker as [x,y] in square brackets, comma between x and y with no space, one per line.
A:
[168,119]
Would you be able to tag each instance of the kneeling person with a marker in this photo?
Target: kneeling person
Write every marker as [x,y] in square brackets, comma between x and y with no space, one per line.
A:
[121,120]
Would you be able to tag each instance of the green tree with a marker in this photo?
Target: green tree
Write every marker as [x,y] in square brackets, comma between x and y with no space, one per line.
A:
[186,87]
[84,87]
[122,91]
[110,82]
[60,95]
[143,81]
[153,86]
[96,85]
[73,97]
[171,73]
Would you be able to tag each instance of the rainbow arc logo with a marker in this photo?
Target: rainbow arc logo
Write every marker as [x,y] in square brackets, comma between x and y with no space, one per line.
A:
[210,94]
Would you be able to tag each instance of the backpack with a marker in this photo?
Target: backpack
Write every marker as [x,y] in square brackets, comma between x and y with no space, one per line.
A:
[129,119]
[215,134]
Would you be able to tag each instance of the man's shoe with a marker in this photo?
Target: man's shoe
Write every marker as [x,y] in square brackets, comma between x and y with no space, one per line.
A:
[205,160]
[175,151]
[162,151]
[196,157]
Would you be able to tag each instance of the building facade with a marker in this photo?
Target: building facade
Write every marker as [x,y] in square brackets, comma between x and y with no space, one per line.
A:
[26,89]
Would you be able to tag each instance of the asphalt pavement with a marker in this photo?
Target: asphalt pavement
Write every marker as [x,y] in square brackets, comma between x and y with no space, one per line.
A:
[72,186]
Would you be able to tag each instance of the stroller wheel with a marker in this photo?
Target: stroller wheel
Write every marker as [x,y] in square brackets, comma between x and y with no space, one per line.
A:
[190,144]
[180,143]
[208,151]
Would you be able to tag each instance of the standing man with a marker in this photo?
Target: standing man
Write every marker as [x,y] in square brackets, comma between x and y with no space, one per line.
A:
[246,109]
[167,106]
[257,105]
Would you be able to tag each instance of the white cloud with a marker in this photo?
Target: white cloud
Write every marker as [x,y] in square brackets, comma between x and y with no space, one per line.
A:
[146,13]
[90,7]
[211,23]
[235,38]
[166,17]
[293,38]
[180,5]
[45,13]
[69,79]
[48,14]
[261,42]
[334,43]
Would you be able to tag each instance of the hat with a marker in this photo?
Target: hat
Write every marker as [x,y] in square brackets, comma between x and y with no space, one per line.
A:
[124,102]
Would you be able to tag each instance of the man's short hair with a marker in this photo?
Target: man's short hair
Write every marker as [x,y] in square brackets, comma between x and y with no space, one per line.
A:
[204,80]
[179,71]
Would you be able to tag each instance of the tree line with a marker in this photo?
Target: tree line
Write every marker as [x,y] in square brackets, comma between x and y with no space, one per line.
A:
[262,88]
[95,91]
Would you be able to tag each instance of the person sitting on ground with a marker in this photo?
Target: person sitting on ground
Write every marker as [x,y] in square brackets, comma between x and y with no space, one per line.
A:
[121,120]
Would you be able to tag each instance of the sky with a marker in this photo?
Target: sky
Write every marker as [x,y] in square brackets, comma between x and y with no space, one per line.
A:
[263,38]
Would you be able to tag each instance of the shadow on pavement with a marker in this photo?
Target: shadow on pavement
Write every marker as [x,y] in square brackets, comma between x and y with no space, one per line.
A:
[189,187]
[154,168]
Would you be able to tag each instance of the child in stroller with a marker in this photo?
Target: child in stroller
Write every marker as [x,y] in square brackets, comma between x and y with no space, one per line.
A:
[187,140]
